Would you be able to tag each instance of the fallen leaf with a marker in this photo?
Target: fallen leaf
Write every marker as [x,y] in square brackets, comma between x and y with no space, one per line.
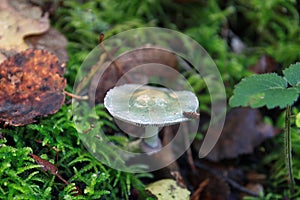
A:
[52,41]
[225,181]
[208,186]
[2,57]
[168,189]
[106,78]
[266,64]
[31,85]
[26,8]
[242,132]
[15,25]
[46,5]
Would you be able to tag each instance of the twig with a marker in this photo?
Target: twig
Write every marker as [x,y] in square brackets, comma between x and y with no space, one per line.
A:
[47,166]
[86,79]
[231,182]
[89,129]
[196,195]
[119,69]
[47,145]
[191,115]
[62,179]
[74,96]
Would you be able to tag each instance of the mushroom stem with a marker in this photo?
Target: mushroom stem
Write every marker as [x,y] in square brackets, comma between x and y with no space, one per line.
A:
[151,136]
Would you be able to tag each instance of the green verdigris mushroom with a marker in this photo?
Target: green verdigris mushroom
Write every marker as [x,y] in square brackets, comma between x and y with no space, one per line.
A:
[150,107]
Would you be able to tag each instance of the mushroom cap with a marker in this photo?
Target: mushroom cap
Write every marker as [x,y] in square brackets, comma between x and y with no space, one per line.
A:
[144,105]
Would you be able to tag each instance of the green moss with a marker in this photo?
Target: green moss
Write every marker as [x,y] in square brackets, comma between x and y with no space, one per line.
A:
[20,175]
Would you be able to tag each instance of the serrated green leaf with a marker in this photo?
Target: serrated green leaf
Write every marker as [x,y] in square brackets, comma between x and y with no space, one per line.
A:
[292,74]
[263,90]
[280,97]
[298,88]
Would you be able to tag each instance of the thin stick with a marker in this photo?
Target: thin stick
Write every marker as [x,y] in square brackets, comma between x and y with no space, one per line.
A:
[74,96]
[119,69]
[62,179]
[202,185]
[86,79]
[47,145]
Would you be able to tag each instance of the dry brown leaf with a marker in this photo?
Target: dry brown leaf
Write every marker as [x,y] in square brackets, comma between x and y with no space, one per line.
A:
[104,79]
[52,41]
[265,64]
[31,85]
[26,8]
[242,132]
[15,25]
[2,57]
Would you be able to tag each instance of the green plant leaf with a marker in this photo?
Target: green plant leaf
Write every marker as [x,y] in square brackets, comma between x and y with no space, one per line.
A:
[292,74]
[263,90]
[298,120]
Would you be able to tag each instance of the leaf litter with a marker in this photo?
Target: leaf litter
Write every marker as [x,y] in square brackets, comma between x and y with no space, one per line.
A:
[108,75]
[52,41]
[242,132]
[31,85]
[16,23]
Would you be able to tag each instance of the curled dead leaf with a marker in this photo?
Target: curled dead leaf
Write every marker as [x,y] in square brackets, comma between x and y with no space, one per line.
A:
[31,85]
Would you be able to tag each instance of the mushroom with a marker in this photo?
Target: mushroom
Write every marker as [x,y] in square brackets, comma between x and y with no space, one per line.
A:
[149,107]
